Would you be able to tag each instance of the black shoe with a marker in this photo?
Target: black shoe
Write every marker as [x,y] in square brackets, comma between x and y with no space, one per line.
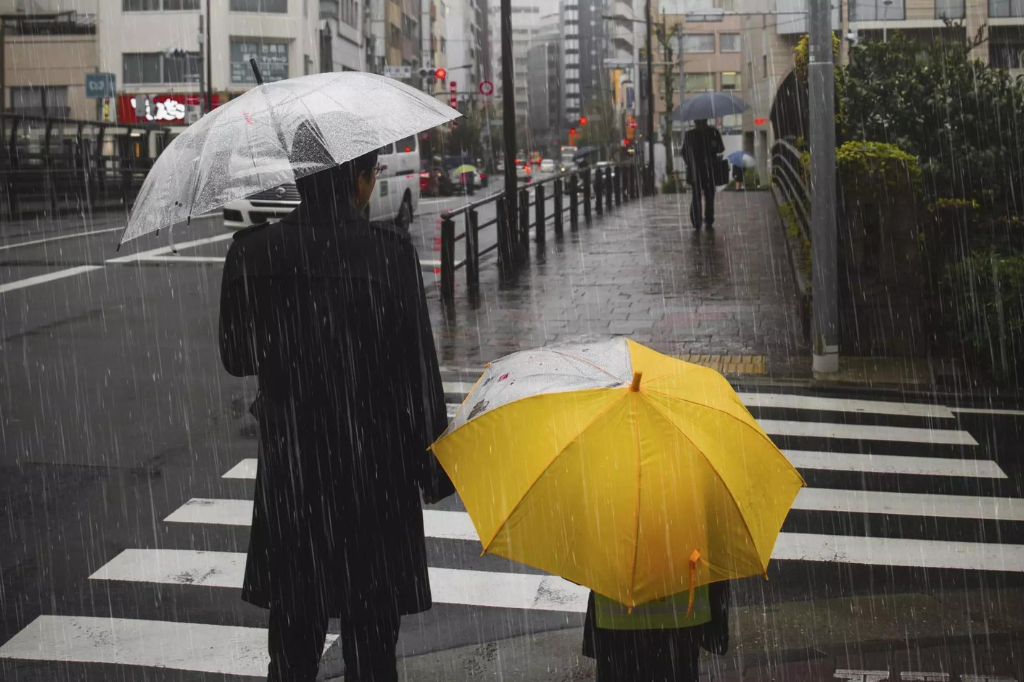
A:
[710,226]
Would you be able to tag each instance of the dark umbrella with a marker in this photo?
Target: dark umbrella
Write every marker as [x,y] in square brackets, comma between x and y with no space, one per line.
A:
[584,152]
[709,105]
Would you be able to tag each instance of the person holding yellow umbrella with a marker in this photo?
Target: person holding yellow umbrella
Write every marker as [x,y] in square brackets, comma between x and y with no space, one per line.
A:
[624,470]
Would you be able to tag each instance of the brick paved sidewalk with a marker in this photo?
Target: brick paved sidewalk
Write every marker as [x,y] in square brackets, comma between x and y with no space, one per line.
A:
[724,298]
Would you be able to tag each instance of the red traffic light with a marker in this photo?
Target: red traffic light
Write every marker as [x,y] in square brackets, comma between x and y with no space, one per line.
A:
[583,120]
[572,131]
[441,73]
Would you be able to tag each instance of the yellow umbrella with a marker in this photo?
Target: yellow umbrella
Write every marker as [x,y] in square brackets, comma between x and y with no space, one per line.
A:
[465,168]
[619,468]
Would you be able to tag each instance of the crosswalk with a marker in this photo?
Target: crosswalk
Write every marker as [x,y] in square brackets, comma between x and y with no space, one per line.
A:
[901,466]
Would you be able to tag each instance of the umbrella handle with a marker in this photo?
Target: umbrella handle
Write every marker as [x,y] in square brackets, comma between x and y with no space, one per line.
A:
[256,70]
[694,558]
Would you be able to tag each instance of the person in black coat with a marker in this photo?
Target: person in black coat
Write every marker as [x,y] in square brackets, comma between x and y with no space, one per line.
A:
[329,312]
[701,146]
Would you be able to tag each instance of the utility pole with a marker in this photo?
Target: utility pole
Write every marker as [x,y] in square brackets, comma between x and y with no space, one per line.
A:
[507,228]
[824,257]
[209,78]
[649,78]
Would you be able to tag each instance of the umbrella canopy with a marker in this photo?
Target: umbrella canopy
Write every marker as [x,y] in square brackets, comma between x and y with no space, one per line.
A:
[465,168]
[584,152]
[742,159]
[618,468]
[249,144]
[709,105]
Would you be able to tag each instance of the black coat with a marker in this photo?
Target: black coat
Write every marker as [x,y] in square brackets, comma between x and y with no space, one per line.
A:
[332,318]
[701,147]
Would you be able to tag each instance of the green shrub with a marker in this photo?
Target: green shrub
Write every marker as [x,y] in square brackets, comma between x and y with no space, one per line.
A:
[671,185]
[977,319]
[875,168]
[751,180]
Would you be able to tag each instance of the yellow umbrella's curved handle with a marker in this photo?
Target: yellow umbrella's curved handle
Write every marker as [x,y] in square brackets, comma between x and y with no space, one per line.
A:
[694,558]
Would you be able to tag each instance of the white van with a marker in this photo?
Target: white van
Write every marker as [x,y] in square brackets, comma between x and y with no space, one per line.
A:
[396,196]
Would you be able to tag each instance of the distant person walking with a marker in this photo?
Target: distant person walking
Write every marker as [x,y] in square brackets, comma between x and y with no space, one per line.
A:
[329,312]
[701,146]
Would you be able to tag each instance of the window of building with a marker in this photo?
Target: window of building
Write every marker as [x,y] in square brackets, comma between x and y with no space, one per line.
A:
[280,6]
[1006,55]
[49,100]
[699,82]
[140,5]
[272,56]
[180,5]
[157,67]
[877,10]
[949,9]
[699,42]
[764,65]
[730,42]
[1005,8]
[731,81]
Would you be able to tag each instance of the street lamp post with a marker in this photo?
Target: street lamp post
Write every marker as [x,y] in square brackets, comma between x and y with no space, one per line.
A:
[649,78]
[824,257]
[506,228]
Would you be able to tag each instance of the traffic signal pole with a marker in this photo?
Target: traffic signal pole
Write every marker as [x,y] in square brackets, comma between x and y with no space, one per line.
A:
[507,226]
[649,78]
[824,256]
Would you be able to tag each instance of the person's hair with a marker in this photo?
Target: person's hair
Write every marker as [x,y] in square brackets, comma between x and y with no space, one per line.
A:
[334,184]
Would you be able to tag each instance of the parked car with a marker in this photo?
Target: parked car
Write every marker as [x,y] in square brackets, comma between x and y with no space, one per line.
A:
[396,195]
[547,166]
[434,182]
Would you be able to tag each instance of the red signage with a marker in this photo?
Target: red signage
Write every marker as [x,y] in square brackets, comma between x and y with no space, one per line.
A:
[760,121]
[168,109]
[486,88]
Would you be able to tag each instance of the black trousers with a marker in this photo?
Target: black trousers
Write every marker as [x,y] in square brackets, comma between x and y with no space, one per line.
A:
[702,208]
[296,642]
[647,655]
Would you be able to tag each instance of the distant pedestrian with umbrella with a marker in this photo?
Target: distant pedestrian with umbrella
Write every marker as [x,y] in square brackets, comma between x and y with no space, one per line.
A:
[328,311]
[702,146]
[740,161]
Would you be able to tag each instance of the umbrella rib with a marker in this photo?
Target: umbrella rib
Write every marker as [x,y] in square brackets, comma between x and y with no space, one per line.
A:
[636,537]
[711,464]
[585,361]
[547,466]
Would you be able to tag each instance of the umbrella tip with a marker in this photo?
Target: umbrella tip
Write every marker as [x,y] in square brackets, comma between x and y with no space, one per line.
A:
[635,386]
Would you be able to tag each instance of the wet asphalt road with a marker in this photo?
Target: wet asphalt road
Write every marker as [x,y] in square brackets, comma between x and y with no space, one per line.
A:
[116,415]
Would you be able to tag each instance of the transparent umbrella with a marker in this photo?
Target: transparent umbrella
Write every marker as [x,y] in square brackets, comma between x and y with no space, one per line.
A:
[250,144]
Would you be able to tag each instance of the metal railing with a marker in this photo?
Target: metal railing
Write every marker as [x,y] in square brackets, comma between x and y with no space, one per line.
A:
[788,183]
[596,188]
[52,164]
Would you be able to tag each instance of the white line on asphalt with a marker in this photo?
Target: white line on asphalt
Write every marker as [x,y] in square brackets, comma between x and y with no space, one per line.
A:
[77,235]
[898,434]
[244,469]
[163,251]
[48,277]
[215,511]
[871,551]
[910,504]
[804,402]
[823,461]
[984,410]
[893,464]
[182,259]
[447,585]
[218,649]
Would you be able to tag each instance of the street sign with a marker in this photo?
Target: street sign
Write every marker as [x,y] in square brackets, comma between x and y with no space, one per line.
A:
[398,72]
[100,85]
[486,88]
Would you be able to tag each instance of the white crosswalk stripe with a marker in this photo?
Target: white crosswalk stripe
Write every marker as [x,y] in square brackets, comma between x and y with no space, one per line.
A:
[944,470]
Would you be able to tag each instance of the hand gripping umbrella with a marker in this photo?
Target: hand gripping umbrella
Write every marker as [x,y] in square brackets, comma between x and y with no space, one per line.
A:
[249,144]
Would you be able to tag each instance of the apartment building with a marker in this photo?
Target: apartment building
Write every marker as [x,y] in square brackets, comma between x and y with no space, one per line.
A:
[771,35]
[342,35]
[47,53]
[464,44]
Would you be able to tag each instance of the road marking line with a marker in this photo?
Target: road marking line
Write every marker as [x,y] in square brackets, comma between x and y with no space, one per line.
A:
[182,259]
[984,410]
[164,250]
[822,461]
[893,464]
[803,402]
[218,649]
[898,434]
[48,277]
[458,525]
[77,235]
[245,469]
[910,504]
[447,585]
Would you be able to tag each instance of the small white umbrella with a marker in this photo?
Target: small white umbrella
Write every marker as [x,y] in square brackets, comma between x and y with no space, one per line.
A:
[249,144]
